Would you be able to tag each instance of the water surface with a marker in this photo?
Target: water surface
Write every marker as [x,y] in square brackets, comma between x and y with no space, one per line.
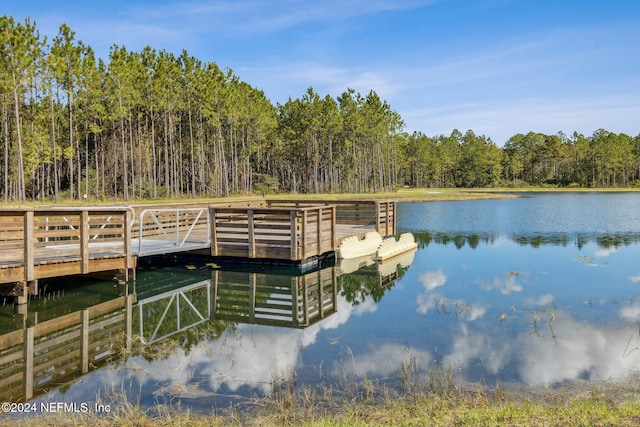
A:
[539,290]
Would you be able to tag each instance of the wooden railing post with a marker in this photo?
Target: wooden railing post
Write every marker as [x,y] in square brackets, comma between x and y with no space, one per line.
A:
[84,241]
[127,241]
[304,234]
[334,214]
[319,230]
[213,233]
[393,221]
[294,234]
[29,247]
[251,250]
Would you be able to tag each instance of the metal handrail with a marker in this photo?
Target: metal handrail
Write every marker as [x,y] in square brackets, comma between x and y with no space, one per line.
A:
[177,242]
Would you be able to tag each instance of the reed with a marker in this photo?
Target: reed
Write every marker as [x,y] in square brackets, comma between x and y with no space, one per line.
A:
[415,397]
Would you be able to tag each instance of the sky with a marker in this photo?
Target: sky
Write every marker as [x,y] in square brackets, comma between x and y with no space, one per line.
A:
[497,67]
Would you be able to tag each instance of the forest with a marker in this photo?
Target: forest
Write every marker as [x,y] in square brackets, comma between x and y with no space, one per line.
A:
[152,125]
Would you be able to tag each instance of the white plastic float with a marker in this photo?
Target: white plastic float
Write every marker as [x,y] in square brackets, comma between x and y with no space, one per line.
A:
[373,245]
[392,247]
[354,246]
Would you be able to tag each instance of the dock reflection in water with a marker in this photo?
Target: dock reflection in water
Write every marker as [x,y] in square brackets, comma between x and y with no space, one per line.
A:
[49,355]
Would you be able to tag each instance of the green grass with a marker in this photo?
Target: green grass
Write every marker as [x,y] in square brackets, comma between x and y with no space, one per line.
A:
[430,400]
[403,194]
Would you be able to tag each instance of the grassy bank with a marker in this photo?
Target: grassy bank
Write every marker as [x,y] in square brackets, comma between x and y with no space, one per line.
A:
[401,195]
[434,401]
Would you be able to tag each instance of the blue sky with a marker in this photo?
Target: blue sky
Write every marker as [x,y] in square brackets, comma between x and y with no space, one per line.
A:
[497,67]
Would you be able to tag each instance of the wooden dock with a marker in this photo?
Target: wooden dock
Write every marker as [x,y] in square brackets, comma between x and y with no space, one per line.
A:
[37,243]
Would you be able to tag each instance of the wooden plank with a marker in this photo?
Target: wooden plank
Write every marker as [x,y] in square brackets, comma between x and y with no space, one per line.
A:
[64,364]
[11,339]
[103,347]
[106,307]
[12,357]
[46,343]
[56,358]
[59,323]
[107,323]
[18,377]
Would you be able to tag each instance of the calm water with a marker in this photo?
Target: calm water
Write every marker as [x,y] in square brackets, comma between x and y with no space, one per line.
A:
[538,290]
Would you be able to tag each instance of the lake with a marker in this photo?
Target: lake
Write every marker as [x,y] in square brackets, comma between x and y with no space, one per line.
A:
[536,290]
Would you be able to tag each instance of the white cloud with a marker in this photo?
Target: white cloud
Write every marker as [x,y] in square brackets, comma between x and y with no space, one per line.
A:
[427,302]
[387,360]
[505,285]
[541,301]
[432,279]
[631,313]
[605,252]
[477,312]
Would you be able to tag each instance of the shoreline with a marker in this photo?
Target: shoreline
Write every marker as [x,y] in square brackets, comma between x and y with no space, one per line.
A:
[401,195]
[434,399]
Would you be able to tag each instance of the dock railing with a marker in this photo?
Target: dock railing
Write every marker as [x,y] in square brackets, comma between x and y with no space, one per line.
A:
[380,214]
[76,237]
[278,233]
[177,227]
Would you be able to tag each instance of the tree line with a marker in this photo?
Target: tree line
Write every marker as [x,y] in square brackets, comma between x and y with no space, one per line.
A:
[152,124]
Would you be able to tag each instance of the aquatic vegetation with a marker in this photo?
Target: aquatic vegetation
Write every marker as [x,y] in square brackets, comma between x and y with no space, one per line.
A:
[461,309]
[536,322]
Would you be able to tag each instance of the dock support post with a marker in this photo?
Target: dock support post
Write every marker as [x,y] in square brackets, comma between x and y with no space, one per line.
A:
[21,291]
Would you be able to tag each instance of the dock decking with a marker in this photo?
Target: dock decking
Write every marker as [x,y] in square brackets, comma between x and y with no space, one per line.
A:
[37,243]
